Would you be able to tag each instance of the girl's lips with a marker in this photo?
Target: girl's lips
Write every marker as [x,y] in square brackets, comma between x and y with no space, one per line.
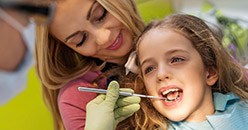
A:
[167,89]
[117,43]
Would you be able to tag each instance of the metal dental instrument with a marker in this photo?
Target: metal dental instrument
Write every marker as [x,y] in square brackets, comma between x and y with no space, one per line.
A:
[95,90]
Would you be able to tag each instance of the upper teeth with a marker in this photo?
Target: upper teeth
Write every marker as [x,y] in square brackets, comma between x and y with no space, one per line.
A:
[170,90]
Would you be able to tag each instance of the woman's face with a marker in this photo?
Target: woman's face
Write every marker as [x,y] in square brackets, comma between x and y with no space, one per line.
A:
[174,69]
[86,27]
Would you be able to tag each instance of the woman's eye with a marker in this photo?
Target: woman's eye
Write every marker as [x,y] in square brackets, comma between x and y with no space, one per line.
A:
[148,70]
[99,14]
[82,40]
[104,13]
[176,59]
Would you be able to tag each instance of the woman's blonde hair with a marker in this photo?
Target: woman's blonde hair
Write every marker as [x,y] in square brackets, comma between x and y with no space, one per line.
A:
[233,77]
[57,64]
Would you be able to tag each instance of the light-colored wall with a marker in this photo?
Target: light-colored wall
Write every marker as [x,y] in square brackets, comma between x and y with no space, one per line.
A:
[232,8]
[26,111]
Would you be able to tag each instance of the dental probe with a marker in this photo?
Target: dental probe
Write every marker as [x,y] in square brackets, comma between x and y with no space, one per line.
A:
[122,93]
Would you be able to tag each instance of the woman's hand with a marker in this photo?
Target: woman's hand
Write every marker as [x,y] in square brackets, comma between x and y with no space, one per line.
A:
[106,111]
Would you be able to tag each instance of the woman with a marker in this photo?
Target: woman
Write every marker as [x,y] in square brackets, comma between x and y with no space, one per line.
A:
[83,36]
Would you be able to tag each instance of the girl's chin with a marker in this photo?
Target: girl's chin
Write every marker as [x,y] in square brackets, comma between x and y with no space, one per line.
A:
[176,114]
[177,119]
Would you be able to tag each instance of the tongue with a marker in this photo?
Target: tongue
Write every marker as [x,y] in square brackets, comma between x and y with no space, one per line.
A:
[171,96]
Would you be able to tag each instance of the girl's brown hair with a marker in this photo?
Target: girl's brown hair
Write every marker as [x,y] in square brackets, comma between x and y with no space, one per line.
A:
[232,76]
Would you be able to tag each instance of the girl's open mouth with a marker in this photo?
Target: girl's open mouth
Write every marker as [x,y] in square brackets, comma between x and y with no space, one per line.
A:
[172,94]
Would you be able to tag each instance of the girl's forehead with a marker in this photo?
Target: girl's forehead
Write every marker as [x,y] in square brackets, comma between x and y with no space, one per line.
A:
[164,39]
[157,32]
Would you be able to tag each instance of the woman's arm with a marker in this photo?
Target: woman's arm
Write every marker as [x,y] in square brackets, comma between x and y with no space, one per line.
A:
[72,103]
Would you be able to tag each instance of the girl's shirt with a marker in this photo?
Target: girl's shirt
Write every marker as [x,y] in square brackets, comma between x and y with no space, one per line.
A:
[231,113]
[72,103]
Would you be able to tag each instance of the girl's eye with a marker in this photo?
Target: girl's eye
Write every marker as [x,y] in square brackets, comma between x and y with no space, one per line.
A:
[82,40]
[176,59]
[148,70]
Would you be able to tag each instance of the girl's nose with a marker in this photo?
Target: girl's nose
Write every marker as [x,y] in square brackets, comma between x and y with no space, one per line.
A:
[163,74]
[102,36]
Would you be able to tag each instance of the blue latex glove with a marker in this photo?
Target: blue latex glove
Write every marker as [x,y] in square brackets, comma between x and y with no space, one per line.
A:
[106,111]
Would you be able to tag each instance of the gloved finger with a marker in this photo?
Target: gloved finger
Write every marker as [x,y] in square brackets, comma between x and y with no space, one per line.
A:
[98,99]
[120,119]
[124,101]
[125,111]
[95,102]
[112,94]
[126,90]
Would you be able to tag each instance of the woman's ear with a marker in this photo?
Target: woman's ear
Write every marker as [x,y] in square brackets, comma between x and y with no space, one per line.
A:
[211,76]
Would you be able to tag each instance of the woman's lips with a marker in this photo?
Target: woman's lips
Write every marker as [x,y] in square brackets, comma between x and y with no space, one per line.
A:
[117,43]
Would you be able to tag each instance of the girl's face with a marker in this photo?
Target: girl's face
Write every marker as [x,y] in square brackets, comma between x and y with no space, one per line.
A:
[86,27]
[172,68]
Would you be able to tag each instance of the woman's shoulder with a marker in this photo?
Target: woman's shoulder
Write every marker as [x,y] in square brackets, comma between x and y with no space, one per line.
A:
[86,80]
[69,92]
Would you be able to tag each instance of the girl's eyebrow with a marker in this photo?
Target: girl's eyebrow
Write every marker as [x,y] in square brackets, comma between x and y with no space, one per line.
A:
[87,18]
[176,50]
[146,60]
[167,53]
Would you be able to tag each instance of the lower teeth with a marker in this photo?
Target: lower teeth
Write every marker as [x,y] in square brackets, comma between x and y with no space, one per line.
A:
[172,96]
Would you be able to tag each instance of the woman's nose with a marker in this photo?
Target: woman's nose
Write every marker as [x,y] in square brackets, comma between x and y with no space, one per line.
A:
[102,36]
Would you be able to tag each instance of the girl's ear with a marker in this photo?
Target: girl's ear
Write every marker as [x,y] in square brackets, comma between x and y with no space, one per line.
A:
[211,76]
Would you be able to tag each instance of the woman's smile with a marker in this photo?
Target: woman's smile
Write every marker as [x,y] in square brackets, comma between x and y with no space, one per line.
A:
[117,43]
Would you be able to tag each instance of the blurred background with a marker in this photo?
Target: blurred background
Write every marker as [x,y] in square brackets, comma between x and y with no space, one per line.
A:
[27,110]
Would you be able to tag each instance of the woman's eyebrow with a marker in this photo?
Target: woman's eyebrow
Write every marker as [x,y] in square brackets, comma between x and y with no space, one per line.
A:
[72,35]
[87,17]
[90,10]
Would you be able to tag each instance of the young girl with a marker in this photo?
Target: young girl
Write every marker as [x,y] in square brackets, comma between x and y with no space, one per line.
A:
[182,60]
